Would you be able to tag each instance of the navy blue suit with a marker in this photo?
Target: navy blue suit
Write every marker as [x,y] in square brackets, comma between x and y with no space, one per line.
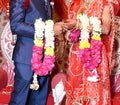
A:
[22,24]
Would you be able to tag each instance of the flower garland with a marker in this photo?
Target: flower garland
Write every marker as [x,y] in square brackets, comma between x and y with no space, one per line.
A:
[43,50]
[96,44]
[84,38]
[39,66]
[90,44]
[74,35]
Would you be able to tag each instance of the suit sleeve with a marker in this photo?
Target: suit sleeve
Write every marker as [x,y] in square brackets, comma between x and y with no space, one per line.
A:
[17,20]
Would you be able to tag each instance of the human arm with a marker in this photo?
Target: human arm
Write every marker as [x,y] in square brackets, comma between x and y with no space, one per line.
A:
[105,23]
[106,20]
[17,20]
[18,24]
[70,23]
[59,28]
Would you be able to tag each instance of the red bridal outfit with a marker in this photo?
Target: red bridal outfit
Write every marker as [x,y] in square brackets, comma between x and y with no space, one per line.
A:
[80,91]
[66,11]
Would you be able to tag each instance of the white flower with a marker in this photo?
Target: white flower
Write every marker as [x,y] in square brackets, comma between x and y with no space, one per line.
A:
[96,25]
[85,23]
[85,20]
[84,34]
[34,85]
[49,34]
[39,28]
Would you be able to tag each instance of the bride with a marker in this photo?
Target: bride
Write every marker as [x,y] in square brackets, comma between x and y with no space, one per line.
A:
[91,34]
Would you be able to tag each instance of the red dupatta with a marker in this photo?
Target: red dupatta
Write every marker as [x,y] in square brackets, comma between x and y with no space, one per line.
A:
[62,8]
[117,9]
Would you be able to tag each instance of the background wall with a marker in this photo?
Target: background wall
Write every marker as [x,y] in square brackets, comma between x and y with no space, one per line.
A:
[3,21]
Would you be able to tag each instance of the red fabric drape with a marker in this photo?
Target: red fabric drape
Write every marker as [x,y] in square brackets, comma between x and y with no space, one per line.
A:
[117,9]
[62,9]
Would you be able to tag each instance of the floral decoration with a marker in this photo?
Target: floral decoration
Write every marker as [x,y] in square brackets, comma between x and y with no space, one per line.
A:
[43,50]
[90,44]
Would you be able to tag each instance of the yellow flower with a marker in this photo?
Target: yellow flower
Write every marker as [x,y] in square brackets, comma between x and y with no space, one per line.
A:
[49,51]
[84,44]
[49,21]
[96,37]
[38,42]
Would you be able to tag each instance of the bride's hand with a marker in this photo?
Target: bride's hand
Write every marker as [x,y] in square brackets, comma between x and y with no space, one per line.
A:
[70,23]
[60,28]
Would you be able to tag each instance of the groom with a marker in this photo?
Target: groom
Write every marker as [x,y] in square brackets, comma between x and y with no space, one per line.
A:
[22,24]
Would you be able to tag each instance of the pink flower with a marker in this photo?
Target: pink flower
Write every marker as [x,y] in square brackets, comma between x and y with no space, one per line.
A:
[74,35]
[39,66]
